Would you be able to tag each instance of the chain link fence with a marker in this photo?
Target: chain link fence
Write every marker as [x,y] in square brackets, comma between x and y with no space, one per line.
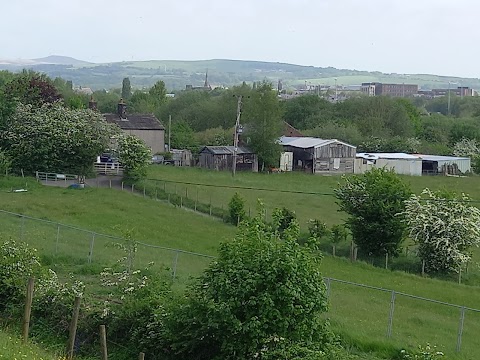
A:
[81,246]
[398,317]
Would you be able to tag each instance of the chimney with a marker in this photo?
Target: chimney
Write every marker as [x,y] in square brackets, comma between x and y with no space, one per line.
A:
[122,109]
[92,104]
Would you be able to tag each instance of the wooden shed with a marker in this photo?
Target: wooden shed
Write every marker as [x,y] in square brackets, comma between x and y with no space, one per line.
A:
[320,156]
[221,158]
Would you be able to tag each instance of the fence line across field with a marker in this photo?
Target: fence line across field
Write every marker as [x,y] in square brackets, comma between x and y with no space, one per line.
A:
[153,252]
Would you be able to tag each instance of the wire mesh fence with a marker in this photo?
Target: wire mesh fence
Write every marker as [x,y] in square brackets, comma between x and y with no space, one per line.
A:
[368,311]
[85,246]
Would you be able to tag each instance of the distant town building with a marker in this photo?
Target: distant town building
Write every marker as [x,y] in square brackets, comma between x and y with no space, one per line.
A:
[459,91]
[206,86]
[83,90]
[393,90]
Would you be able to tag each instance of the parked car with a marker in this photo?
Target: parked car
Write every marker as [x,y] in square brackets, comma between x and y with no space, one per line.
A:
[160,160]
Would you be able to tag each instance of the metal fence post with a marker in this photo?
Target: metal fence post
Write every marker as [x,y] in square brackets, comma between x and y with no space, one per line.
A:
[329,286]
[460,329]
[91,248]
[22,227]
[56,241]
[175,261]
[390,316]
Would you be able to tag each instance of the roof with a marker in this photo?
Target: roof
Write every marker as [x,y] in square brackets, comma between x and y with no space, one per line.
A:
[389,156]
[441,158]
[403,156]
[308,142]
[135,122]
[226,150]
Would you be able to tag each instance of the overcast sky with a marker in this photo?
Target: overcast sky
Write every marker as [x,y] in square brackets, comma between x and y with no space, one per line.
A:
[402,36]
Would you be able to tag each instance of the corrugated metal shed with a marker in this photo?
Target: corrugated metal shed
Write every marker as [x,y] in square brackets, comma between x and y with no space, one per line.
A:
[402,163]
[226,150]
[308,142]
[392,156]
[443,162]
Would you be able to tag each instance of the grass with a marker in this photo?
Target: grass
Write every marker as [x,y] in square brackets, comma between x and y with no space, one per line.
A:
[360,315]
[12,347]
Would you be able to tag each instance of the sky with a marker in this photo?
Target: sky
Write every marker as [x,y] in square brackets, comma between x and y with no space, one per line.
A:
[392,36]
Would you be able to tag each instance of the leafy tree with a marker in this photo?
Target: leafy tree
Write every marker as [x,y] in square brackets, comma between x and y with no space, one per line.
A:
[183,137]
[106,101]
[469,148]
[338,233]
[135,157]
[158,93]
[53,138]
[261,289]
[445,227]
[5,163]
[236,209]
[283,219]
[29,87]
[373,201]
[264,124]
[126,89]
[215,136]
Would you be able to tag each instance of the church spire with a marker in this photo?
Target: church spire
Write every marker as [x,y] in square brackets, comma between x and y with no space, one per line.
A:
[206,80]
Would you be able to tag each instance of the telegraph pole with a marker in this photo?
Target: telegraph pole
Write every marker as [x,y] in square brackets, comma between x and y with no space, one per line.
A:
[169,132]
[235,139]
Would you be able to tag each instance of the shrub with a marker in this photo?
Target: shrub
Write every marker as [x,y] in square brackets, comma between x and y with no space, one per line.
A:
[262,287]
[236,209]
[373,202]
[5,163]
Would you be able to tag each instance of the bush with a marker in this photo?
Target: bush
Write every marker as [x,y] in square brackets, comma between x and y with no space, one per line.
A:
[5,163]
[375,202]
[262,288]
[236,209]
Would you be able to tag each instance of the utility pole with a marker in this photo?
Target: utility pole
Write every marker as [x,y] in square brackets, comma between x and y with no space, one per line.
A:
[235,139]
[336,93]
[448,106]
[169,132]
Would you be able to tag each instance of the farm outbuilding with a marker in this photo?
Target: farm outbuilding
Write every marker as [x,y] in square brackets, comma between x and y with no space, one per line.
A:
[320,156]
[221,158]
[446,165]
[402,163]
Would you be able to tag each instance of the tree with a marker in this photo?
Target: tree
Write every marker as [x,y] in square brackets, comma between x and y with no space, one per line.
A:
[373,201]
[263,117]
[445,227]
[262,291]
[29,87]
[53,138]
[126,89]
[5,163]
[134,156]
[469,148]
[236,209]
[183,136]
[158,93]
[338,233]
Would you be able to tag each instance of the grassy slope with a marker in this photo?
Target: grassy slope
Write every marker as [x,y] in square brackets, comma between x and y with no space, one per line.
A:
[11,348]
[359,314]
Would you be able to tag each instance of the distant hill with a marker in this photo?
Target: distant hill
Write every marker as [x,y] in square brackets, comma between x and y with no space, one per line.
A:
[60,60]
[221,72]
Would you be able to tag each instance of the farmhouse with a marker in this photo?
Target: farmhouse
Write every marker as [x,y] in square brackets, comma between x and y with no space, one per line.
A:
[221,158]
[319,156]
[145,126]
[402,163]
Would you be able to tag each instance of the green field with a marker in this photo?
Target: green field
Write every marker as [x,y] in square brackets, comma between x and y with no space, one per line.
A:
[11,347]
[359,315]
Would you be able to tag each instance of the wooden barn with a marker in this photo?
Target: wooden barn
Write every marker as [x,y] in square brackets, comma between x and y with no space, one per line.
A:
[320,156]
[221,158]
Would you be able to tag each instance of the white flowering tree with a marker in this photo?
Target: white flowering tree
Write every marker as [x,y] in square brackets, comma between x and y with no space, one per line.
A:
[53,138]
[469,148]
[445,227]
[134,156]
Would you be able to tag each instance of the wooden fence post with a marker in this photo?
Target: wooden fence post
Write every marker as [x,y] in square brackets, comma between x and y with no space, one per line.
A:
[28,310]
[103,342]
[141,356]
[72,333]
